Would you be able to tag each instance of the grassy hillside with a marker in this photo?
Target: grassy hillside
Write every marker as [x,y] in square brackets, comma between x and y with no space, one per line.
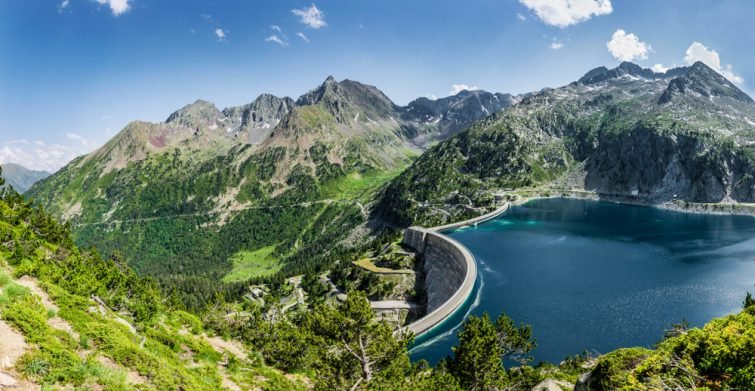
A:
[189,233]
[72,318]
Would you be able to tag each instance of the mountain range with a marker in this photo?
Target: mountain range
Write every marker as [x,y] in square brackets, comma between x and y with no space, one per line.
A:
[197,198]
[20,177]
[628,132]
[180,199]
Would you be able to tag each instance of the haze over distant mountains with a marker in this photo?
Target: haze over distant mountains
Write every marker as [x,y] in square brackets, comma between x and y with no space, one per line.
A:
[20,177]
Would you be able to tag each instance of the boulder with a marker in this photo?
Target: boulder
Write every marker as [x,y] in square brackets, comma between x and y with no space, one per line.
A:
[552,385]
[7,380]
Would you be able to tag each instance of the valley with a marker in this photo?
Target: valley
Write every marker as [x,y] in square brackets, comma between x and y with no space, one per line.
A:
[523,195]
[294,175]
[273,214]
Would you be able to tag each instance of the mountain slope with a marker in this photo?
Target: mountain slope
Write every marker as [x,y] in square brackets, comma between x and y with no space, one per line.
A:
[70,319]
[182,198]
[628,132]
[20,177]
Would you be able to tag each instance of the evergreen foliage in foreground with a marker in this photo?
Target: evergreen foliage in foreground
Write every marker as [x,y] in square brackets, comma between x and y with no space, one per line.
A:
[122,327]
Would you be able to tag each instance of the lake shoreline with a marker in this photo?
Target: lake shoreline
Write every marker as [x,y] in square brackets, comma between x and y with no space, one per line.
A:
[737,209]
[646,235]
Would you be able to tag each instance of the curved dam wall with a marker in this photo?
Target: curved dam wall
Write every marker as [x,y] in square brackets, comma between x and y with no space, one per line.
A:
[450,274]
[450,270]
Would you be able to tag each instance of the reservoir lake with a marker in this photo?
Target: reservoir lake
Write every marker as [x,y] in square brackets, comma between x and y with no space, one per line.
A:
[596,276]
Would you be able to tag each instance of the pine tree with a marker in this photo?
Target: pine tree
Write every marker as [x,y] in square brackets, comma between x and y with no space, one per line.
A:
[356,348]
[516,342]
[477,360]
[749,301]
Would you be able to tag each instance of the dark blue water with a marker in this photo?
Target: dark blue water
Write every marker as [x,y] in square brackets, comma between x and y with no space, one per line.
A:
[597,276]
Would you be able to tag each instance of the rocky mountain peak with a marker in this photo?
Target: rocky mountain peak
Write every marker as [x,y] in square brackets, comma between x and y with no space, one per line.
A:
[329,86]
[454,113]
[257,119]
[701,80]
[347,98]
[266,108]
[201,113]
[601,74]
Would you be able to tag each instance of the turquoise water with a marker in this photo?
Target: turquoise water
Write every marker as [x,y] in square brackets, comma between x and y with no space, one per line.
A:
[596,276]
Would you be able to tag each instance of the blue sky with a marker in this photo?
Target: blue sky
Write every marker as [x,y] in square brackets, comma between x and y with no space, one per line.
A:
[74,72]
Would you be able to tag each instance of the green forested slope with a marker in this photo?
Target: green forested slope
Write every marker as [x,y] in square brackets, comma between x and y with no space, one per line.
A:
[180,199]
[628,132]
[71,319]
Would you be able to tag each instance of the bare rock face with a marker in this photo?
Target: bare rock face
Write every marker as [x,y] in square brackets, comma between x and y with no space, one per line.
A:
[455,113]
[257,120]
[663,167]
[583,383]
[196,115]
[7,380]
[552,385]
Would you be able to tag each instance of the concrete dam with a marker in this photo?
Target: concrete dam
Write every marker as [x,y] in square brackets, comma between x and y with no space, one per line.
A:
[450,270]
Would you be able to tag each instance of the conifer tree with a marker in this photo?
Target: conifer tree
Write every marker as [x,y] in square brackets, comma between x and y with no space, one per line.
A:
[477,359]
[356,348]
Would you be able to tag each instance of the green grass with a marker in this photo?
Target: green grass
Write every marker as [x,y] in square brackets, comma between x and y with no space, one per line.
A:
[367,264]
[355,185]
[257,263]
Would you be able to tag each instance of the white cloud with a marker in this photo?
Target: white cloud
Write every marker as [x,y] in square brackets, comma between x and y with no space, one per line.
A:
[302,36]
[659,68]
[38,155]
[85,142]
[276,39]
[457,88]
[698,52]
[627,47]
[520,16]
[63,5]
[563,13]
[220,34]
[556,45]
[311,16]
[117,6]
[276,28]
